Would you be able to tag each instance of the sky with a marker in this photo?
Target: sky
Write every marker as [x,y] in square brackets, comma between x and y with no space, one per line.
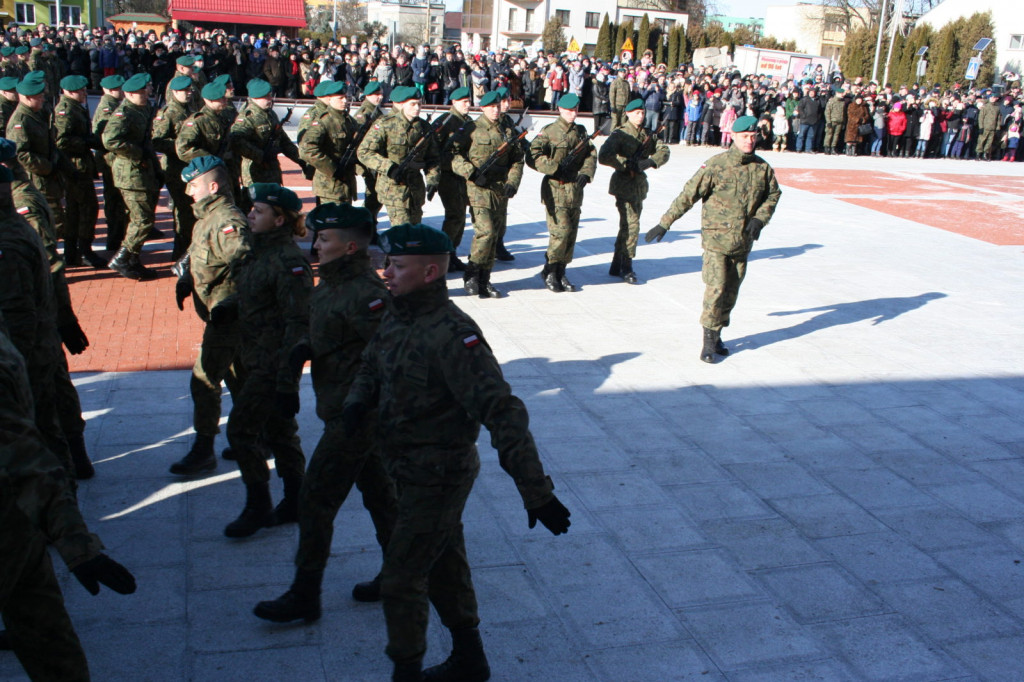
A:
[732,8]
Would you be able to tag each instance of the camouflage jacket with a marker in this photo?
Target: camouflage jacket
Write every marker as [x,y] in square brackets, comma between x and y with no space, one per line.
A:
[32,477]
[220,242]
[455,126]
[365,112]
[618,93]
[734,187]
[128,138]
[274,285]
[195,99]
[433,380]
[835,110]
[553,144]
[311,115]
[344,312]
[205,133]
[7,108]
[37,148]
[619,150]
[166,128]
[988,117]
[104,110]
[325,141]
[257,132]
[478,140]
[389,141]
[74,135]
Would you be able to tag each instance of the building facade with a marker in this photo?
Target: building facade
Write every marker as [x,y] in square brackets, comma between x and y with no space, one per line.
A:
[1007,18]
[730,24]
[816,29]
[410,21]
[71,13]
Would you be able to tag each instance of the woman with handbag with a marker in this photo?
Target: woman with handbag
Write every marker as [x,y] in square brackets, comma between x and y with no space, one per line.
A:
[858,125]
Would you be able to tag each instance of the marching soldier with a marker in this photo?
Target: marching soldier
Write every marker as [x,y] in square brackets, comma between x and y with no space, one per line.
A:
[630,150]
[167,126]
[561,191]
[113,204]
[451,186]
[128,136]
[740,194]
[502,253]
[368,112]
[185,66]
[208,132]
[8,99]
[76,141]
[21,62]
[258,135]
[8,66]
[490,159]
[388,150]
[324,144]
[345,309]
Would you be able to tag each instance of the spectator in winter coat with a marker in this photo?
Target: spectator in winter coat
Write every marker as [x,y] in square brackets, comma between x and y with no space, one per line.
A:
[421,70]
[897,127]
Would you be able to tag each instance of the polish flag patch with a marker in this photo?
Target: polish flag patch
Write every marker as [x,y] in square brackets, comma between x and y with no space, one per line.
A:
[298,270]
[118,113]
[189,123]
[17,126]
[62,113]
[228,230]
[471,341]
[376,305]
[23,210]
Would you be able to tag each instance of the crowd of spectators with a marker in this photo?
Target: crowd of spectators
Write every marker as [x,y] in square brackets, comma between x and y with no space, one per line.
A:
[688,104]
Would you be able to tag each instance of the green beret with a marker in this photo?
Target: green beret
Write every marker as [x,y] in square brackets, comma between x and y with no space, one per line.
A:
[10,83]
[179,82]
[259,88]
[114,82]
[35,42]
[8,150]
[372,88]
[30,86]
[72,83]
[321,89]
[6,51]
[21,49]
[632,106]
[490,98]
[502,92]
[339,216]
[840,91]
[334,88]
[223,79]
[569,101]
[745,124]
[199,166]
[214,91]
[404,93]
[5,175]
[415,240]
[36,76]
[187,60]
[275,195]
[136,83]
[459,93]
[48,47]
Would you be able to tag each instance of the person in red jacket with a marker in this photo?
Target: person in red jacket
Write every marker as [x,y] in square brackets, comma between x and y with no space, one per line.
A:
[897,126]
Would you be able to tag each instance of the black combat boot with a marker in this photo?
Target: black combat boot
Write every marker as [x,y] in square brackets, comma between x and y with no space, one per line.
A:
[707,353]
[287,510]
[563,280]
[628,276]
[487,289]
[502,254]
[455,265]
[143,273]
[410,671]
[199,459]
[256,514]
[119,263]
[720,348]
[91,257]
[550,276]
[368,591]
[300,602]
[79,457]
[471,279]
[467,662]
[72,257]
[616,267]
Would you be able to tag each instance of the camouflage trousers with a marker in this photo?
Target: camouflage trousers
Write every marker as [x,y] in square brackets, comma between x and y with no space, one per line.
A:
[82,210]
[722,277]
[255,422]
[54,194]
[338,463]
[629,226]
[141,218]
[618,116]
[452,190]
[41,632]
[114,210]
[488,229]
[425,563]
[562,226]
[184,218]
[400,214]
[43,382]
[833,134]
[986,140]
[371,202]
[69,406]
[217,363]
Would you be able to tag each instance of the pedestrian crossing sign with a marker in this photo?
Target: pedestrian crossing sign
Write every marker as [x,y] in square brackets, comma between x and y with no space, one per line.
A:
[574,46]
[627,46]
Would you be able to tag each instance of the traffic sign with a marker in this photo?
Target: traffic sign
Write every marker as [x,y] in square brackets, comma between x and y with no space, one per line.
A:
[973,67]
[627,46]
[573,45]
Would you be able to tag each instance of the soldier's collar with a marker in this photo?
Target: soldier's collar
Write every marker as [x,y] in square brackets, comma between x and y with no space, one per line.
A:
[425,300]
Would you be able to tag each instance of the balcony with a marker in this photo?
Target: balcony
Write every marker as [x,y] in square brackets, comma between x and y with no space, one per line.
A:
[654,5]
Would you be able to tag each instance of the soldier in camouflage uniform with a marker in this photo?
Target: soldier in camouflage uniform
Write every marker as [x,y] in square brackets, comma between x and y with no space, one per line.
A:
[451,186]
[258,136]
[167,127]
[208,133]
[185,66]
[21,63]
[368,112]
[387,145]
[7,68]
[208,274]
[487,141]
[43,58]
[988,128]
[740,194]
[128,137]
[506,120]
[76,141]
[324,143]
[37,508]
[430,378]
[8,99]
[835,122]
[345,309]
[561,191]
[618,98]
[272,305]
[630,150]
[113,204]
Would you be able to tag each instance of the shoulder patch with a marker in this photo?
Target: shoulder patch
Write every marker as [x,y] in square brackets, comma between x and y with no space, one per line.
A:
[228,229]
[189,123]
[376,127]
[17,126]
[62,113]
[298,270]
[376,304]
[116,113]
[23,210]
[471,341]
[106,110]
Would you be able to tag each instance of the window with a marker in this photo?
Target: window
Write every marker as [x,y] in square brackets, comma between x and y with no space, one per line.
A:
[1017,42]
[529,21]
[664,24]
[593,20]
[25,13]
[512,18]
[69,14]
[627,18]
[563,16]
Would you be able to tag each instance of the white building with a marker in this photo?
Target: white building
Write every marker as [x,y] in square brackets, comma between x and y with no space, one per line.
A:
[408,20]
[816,29]
[1007,18]
[519,24]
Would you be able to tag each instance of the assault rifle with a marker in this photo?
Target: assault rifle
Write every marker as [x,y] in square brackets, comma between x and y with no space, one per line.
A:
[349,156]
[565,166]
[644,150]
[497,154]
[403,167]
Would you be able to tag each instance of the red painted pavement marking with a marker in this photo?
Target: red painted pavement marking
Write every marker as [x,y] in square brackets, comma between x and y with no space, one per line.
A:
[994,223]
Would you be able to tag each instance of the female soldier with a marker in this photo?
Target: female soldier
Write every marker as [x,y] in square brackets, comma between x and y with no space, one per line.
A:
[272,305]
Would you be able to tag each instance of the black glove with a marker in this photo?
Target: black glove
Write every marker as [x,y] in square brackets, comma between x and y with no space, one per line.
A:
[73,337]
[510,190]
[183,289]
[103,569]
[417,165]
[393,172]
[478,179]
[645,164]
[753,228]
[655,234]
[582,180]
[308,170]
[353,417]
[287,403]
[431,188]
[553,515]
[297,358]
[222,314]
